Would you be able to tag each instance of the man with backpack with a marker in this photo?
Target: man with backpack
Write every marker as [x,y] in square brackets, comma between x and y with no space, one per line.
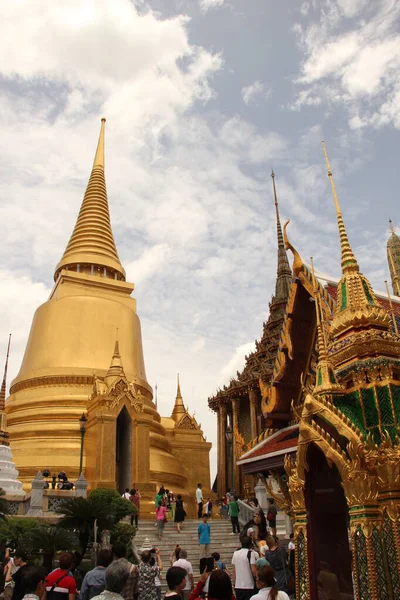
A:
[60,585]
[244,570]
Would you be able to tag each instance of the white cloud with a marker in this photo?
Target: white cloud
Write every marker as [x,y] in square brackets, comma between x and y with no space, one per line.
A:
[20,296]
[206,5]
[353,61]
[235,363]
[255,90]
[180,199]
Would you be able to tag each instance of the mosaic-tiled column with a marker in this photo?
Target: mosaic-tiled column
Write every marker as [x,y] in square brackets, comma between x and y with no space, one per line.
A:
[368,557]
[369,568]
[296,491]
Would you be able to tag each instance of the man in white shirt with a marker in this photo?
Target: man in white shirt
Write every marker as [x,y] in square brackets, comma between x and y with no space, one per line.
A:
[199,500]
[244,570]
[126,494]
[185,564]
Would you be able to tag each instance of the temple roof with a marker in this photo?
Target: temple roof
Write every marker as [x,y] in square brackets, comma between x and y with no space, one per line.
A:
[92,241]
[273,447]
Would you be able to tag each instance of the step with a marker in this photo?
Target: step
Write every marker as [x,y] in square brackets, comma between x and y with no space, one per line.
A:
[221,541]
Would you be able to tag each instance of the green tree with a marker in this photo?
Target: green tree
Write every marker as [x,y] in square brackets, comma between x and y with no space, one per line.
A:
[4,506]
[80,514]
[119,507]
[14,530]
[49,540]
[102,505]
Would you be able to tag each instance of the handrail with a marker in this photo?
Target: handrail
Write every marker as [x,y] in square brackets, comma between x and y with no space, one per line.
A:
[246,512]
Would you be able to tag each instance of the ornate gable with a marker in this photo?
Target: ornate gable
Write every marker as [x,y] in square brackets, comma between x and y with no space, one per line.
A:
[111,396]
[187,422]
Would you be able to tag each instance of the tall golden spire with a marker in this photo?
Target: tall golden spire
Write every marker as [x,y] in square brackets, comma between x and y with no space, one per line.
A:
[284,273]
[116,369]
[356,305]
[3,389]
[325,382]
[348,258]
[179,408]
[178,389]
[92,245]
[3,420]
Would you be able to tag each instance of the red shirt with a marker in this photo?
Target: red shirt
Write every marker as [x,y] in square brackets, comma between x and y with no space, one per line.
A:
[65,584]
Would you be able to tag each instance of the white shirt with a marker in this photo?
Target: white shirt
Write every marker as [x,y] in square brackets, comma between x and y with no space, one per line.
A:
[264,595]
[126,495]
[185,564]
[199,496]
[291,546]
[244,579]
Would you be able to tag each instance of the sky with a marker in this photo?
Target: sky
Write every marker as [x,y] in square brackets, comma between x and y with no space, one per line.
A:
[202,99]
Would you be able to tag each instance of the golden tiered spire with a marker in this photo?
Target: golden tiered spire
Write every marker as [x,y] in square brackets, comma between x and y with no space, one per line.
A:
[325,382]
[179,408]
[116,369]
[348,258]
[284,273]
[92,243]
[392,313]
[356,305]
[3,391]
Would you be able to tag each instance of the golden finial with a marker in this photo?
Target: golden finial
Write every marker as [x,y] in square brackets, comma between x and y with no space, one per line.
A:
[391,228]
[321,333]
[99,156]
[395,276]
[116,369]
[348,259]
[278,222]
[178,389]
[3,389]
[326,382]
[391,308]
[284,273]
[179,408]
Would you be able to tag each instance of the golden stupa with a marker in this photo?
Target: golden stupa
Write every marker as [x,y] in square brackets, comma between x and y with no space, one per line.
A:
[84,354]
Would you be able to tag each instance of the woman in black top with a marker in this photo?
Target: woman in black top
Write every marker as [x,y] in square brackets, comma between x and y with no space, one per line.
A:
[180,513]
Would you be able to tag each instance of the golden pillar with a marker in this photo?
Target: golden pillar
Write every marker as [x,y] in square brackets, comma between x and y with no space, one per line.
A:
[142,450]
[222,467]
[296,491]
[236,450]
[253,397]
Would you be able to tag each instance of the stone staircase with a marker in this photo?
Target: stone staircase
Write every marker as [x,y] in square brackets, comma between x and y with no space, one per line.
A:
[221,541]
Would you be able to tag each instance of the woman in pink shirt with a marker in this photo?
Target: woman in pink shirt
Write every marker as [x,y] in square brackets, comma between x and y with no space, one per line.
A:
[161,516]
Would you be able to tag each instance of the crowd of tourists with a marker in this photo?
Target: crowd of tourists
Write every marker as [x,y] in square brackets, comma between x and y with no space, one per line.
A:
[260,571]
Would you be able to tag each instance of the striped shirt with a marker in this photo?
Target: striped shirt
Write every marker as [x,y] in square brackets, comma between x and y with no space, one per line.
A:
[59,584]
